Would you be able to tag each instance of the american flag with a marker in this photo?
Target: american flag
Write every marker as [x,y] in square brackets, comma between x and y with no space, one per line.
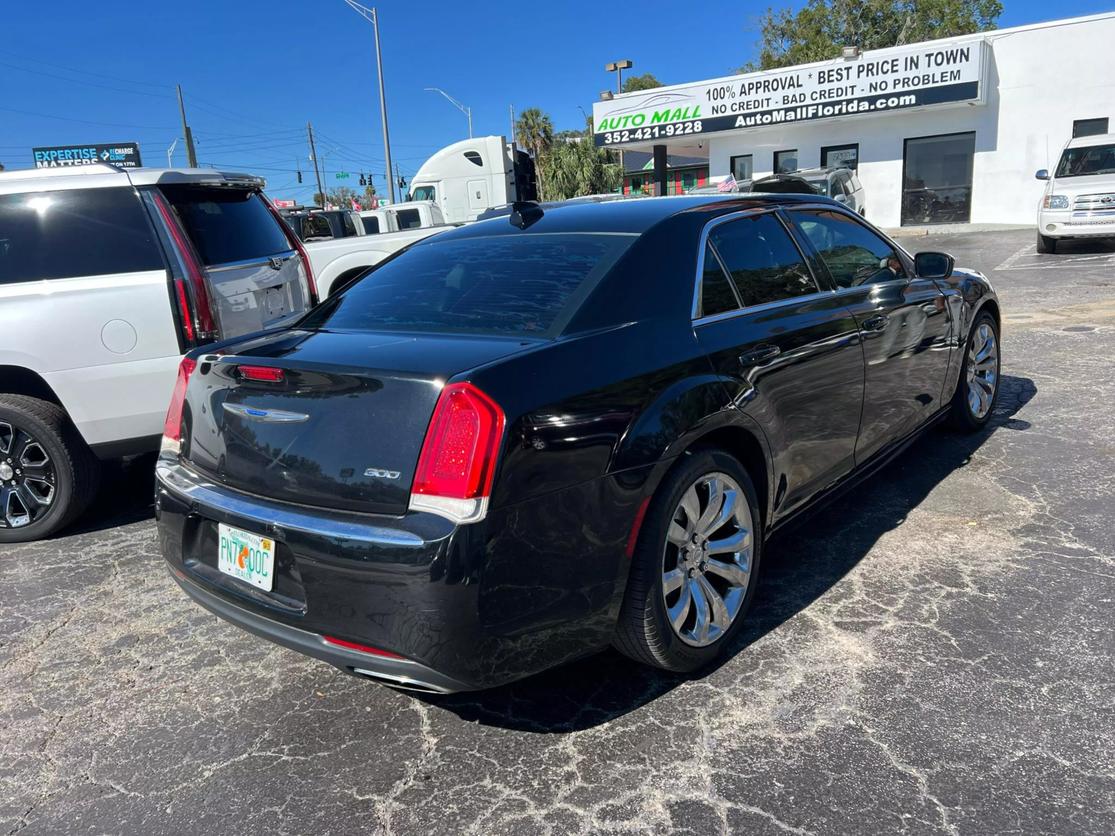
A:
[728,185]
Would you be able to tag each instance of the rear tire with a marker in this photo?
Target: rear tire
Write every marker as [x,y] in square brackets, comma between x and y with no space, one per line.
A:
[973,404]
[1046,244]
[645,631]
[48,475]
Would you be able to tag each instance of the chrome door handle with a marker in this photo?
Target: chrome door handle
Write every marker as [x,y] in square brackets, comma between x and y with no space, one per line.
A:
[875,323]
[758,354]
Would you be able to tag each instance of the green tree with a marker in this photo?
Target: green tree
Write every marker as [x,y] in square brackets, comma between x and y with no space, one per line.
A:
[571,169]
[818,30]
[535,132]
[646,81]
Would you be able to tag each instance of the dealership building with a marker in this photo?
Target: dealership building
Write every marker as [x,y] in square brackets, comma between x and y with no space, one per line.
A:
[945,131]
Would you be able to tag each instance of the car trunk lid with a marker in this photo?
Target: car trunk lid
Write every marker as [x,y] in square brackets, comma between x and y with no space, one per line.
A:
[343,426]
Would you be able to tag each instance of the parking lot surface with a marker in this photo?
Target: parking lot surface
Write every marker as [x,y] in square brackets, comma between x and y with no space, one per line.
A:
[935,652]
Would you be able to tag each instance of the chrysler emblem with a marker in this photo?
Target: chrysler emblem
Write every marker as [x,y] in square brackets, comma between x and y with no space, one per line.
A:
[267,416]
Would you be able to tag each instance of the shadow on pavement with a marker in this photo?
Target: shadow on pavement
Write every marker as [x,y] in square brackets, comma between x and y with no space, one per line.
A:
[798,567]
[126,495]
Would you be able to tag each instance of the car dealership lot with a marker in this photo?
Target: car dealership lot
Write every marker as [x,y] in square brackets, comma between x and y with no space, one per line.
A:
[933,652]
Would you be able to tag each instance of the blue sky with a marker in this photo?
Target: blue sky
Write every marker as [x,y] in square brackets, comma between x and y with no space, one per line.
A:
[254,72]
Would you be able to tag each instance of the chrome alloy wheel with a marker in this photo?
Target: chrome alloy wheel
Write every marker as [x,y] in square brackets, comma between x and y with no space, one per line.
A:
[983,370]
[707,559]
[28,481]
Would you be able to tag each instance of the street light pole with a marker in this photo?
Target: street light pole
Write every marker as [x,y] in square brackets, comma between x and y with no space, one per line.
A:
[370,14]
[467,111]
[618,67]
[170,153]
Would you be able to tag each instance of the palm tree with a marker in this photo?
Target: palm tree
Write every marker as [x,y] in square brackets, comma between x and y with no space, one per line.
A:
[535,131]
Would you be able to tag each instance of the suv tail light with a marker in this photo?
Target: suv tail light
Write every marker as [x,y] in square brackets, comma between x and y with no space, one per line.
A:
[457,464]
[296,243]
[172,427]
[190,289]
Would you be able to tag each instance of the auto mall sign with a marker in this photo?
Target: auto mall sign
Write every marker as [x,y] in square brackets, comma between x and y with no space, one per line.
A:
[884,80]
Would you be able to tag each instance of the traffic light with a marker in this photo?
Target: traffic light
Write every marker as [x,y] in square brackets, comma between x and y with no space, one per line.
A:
[299,173]
[363,179]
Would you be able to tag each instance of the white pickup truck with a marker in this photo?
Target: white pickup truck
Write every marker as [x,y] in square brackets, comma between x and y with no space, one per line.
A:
[396,217]
[1079,199]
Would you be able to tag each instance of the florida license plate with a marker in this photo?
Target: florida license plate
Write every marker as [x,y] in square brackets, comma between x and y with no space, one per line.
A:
[246,556]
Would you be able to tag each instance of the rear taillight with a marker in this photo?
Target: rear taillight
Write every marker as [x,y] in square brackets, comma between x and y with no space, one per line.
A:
[296,243]
[457,464]
[190,289]
[172,427]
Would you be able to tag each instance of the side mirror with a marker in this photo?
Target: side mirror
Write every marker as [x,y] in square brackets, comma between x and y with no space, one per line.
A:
[933,265]
[1042,174]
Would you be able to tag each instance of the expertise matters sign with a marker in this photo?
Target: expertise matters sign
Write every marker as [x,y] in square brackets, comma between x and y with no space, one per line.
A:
[121,154]
[879,81]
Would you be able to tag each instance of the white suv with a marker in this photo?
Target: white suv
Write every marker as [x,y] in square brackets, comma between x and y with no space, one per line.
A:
[1079,199]
[107,277]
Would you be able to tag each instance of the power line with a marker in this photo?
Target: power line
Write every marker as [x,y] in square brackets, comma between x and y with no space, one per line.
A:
[87,121]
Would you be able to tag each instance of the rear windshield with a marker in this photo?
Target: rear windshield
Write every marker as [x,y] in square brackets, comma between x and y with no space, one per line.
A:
[528,285]
[227,225]
[1095,159]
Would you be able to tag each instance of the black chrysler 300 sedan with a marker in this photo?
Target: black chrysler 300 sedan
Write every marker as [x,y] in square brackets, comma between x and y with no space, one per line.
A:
[524,440]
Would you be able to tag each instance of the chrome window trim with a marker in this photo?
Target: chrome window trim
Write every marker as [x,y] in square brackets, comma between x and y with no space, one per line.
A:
[695,312]
[766,306]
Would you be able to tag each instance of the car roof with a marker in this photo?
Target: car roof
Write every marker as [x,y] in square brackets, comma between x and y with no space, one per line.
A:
[1094,139]
[633,216]
[100,175]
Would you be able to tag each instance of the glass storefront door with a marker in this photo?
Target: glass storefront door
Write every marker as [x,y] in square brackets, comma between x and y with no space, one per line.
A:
[937,179]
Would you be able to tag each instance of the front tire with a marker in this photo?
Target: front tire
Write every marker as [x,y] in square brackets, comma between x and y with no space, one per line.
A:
[978,388]
[695,566]
[48,475]
[1046,244]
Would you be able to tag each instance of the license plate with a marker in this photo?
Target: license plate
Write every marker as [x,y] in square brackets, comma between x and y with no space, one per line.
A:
[246,556]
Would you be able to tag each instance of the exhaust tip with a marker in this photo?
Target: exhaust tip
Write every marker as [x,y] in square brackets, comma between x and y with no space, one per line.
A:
[401,683]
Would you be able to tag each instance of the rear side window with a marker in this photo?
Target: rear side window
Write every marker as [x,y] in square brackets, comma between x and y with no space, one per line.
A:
[763,261]
[717,295]
[518,284]
[348,224]
[75,232]
[408,219]
[371,225]
[227,225]
[853,254]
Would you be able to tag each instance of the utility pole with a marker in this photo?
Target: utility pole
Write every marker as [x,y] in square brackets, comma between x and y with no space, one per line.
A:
[370,14]
[512,107]
[191,155]
[313,156]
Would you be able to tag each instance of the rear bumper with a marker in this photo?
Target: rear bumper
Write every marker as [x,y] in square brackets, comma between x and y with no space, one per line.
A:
[467,606]
[400,673]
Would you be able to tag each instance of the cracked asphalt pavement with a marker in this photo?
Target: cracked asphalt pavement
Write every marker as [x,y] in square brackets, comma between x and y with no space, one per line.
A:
[934,653]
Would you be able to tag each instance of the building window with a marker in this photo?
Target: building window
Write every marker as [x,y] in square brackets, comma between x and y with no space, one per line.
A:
[840,156]
[1089,127]
[742,168]
[937,179]
[785,161]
